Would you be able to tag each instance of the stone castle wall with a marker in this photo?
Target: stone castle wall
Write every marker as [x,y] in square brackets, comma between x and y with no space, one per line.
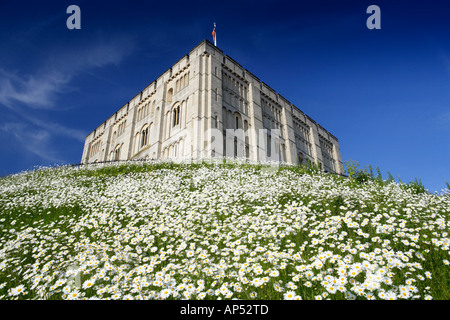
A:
[183,113]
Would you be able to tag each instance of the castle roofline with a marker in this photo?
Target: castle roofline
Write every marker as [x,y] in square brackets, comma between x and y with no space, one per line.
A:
[209,45]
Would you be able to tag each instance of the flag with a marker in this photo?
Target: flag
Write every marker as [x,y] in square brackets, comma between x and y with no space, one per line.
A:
[214,34]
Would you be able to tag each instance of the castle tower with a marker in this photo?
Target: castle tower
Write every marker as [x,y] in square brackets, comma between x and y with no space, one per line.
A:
[208,105]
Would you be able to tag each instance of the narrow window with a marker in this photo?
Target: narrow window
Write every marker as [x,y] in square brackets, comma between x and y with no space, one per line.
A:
[300,158]
[176,116]
[169,95]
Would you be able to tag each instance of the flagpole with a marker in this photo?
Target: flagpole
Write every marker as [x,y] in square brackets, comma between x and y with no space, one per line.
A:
[214,35]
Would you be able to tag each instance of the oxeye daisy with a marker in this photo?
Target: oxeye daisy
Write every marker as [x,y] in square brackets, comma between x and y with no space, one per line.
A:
[274,273]
[289,295]
[17,290]
[87,284]
[73,295]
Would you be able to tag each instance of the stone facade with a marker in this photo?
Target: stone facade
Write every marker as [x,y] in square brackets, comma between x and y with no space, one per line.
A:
[207,105]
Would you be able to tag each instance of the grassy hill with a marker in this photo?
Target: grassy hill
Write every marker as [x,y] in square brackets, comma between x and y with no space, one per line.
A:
[164,230]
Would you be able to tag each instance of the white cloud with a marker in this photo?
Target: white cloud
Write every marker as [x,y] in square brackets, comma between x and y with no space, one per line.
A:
[40,90]
[58,129]
[36,141]
[37,92]
[28,95]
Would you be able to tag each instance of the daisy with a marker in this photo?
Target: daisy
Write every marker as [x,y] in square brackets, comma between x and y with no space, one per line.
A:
[390,295]
[165,293]
[289,295]
[87,284]
[274,273]
[73,295]
[17,290]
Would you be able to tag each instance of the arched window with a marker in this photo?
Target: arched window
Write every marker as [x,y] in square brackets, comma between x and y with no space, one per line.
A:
[144,137]
[169,95]
[300,158]
[283,152]
[176,116]
[237,121]
[117,152]
[175,150]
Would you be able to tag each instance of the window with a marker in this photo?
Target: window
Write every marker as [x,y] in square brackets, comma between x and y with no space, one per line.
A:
[175,150]
[117,152]
[176,116]
[300,158]
[169,95]
[95,148]
[144,137]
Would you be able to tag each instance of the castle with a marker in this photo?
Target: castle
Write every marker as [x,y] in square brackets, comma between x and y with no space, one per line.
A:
[207,105]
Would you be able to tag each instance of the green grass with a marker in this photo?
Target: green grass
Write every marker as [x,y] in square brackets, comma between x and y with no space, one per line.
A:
[231,222]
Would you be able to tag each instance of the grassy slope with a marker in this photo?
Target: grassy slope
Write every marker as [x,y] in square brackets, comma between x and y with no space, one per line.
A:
[204,230]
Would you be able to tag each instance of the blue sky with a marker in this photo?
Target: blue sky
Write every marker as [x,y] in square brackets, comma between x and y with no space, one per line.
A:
[385,94]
